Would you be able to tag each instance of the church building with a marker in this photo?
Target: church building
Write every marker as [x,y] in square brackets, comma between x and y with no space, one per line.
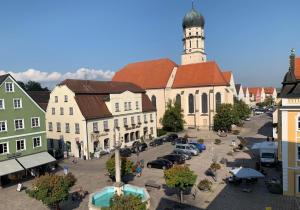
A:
[198,85]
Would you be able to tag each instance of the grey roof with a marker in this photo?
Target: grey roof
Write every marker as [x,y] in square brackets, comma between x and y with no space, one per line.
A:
[3,77]
[193,19]
[237,88]
[40,97]
[9,166]
[34,160]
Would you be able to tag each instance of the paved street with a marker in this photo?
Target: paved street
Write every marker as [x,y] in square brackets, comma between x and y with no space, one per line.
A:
[91,176]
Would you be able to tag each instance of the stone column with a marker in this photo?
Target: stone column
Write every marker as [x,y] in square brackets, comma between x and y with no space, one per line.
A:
[118,184]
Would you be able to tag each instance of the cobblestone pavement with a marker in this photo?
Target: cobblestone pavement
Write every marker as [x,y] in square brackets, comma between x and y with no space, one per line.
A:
[91,176]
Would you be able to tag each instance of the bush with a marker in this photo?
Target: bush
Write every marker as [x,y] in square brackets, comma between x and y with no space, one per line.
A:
[201,141]
[217,141]
[70,179]
[161,132]
[126,166]
[205,185]
[215,166]
[125,202]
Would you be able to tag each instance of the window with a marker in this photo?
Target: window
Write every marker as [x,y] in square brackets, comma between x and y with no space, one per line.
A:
[37,141]
[20,144]
[56,99]
[298,152]
[2,105]
[129,105]
[19,124]
[9,87]
[153,100]
[50,126]
[3,126]
[218,100]
[105,125]
[137,105]
[67,127]
[145,118]
[204,103]
[35,122]
[125,121]
[197,43]
[151,130]
[53,111]
[116,123]
[61,111]
[58,127]
[125,106]
[66,98]
[197,33]
[139,119]
[190,44]
[71,111]
[298,183]
[191,103]
[17,103]
[4,148]
[178,100]
[95,127]
[151,118]
[117,108]
[132,120]
[77,129]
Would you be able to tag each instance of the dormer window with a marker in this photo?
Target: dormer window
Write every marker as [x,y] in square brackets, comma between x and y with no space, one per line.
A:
[9,87]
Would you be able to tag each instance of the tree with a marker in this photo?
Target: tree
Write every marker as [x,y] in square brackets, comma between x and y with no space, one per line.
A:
[126,166]
[32,86]
[125,202]
[52,189]
[180,177]
[242,109]
[173,118]
[225,117]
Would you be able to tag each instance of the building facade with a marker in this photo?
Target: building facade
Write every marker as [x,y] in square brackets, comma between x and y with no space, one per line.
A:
[84,116]
[22,130]
[197,85]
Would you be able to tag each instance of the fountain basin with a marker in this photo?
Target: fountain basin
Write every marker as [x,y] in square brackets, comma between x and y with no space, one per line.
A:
[101,199]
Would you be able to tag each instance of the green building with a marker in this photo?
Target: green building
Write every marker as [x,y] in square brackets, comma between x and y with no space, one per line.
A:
[23,143]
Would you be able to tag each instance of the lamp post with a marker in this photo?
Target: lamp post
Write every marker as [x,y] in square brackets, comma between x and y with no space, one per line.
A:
[118,184]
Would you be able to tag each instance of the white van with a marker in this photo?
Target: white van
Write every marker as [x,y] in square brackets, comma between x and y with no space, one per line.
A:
[186,148]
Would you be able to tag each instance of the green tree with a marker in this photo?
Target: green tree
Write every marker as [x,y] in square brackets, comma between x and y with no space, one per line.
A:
[269,101]
[32,86]
[173,118]
[180,177]
[52,189]
[125,202]
[242,109]
[126,166]
[225,117]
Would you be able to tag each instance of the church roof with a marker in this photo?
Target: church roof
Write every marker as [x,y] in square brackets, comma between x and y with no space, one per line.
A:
[269,90]
[297,68]
[227,75]
[153,74]
[193,19]
[199,75]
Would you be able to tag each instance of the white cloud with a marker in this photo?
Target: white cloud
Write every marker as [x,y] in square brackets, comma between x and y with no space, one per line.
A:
[52,77]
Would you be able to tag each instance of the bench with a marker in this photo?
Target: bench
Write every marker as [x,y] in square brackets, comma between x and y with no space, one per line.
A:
[153,184]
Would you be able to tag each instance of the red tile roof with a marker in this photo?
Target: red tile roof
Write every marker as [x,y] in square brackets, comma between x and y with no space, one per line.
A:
[199,74]
[152,74]
[254,90]
[227,75]
[297,68]
[269,90]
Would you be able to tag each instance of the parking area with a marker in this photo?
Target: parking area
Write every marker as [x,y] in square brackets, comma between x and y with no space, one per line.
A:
[91,176]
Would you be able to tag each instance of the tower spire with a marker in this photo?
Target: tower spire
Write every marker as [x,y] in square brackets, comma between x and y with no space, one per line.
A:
[192,4]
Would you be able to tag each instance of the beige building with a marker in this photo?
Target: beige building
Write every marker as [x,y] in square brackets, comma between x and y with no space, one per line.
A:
[197,85]
[84,116]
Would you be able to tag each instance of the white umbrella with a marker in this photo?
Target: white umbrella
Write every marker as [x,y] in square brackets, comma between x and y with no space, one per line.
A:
[246,173]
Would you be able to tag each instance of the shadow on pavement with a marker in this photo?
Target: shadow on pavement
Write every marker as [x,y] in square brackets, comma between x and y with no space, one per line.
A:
[168,204]
[266,129]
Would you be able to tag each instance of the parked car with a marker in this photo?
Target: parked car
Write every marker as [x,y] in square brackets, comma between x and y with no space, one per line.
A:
[186,148]
[186,155]
[259,111]
[171,137]
[180,140]
[199,146]
[175,159]
[156,142]
[138,147]
[125,152]
[160,163]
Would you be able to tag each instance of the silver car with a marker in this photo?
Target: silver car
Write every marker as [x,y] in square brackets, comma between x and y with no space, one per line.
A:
[186,148]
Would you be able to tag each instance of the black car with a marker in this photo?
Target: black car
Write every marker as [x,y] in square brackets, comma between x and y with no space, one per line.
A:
[125,152]
[185,155]
[160,163]
[174,158]
[138,147]
[180,140]
[171,137]
[156,142]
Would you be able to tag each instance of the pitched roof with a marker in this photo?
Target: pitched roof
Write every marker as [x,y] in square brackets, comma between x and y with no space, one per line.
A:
[151,74]
[269,90]
[92,106]
[297,68]
[254,90]
[3,77]
[227,75]
[237,88]
[199,74]
[146,104]
[100,87]
[40,97]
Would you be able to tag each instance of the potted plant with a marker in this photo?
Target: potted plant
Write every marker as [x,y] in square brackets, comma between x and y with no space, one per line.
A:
[217,141]
[205,185]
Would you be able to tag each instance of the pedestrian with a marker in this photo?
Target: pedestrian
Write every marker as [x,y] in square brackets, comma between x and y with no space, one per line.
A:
[194,193]
[139,170]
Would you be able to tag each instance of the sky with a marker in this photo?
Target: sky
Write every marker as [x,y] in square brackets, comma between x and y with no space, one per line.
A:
[51,40]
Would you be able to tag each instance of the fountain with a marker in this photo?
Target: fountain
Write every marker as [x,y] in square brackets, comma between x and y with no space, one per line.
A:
[101,198]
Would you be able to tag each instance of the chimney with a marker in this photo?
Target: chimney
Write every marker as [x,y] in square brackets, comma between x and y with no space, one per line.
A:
[292,60]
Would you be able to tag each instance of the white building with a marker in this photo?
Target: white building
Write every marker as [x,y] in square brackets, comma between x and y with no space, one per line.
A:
[83,116]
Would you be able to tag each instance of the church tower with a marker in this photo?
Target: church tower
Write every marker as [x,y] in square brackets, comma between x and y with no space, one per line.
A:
[193,38]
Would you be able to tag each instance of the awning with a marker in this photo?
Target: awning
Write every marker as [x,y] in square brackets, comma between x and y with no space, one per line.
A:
[35,160]
[246,173]
[9,166]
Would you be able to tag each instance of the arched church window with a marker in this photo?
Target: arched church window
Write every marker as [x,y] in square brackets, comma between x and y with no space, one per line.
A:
[191,103]
[153,100]
[218,100]
[190,44]
[178,100]
[197,43]
[204,103]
